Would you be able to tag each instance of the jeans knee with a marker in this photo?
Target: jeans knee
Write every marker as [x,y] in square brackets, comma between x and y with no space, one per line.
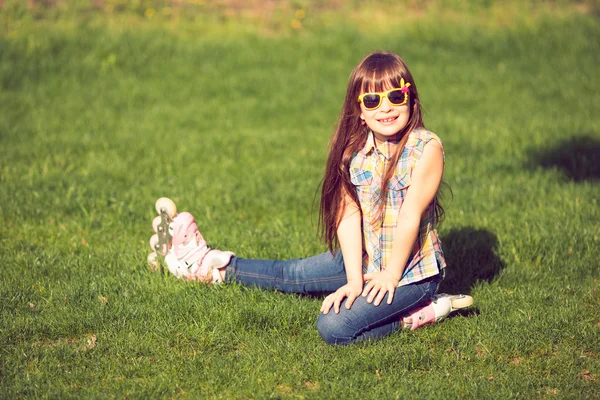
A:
[331,329]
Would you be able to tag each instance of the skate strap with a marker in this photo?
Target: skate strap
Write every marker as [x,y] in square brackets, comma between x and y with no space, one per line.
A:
[422,316]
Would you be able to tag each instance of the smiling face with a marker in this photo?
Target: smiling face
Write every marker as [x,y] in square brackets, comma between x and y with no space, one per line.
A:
[379,73]
[386,120]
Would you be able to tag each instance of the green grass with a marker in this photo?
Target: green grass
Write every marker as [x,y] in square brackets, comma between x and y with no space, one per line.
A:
[98,121]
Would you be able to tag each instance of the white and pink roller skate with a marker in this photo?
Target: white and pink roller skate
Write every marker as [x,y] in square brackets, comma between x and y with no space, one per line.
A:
[439,308]
[185,251]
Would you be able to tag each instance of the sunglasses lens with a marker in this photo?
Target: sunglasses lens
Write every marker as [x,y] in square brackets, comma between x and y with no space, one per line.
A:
[396,97]
[371,100]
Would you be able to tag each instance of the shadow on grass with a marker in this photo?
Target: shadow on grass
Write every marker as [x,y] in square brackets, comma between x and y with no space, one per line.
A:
[471,257]
[577,157]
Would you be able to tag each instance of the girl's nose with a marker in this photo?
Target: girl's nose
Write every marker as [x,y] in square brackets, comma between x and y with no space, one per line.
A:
[385,104]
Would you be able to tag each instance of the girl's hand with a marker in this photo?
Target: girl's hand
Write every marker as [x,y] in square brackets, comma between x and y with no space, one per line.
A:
[380,283]
[351,290]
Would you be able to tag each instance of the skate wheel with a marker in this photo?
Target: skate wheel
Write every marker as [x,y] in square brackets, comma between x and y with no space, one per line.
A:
[406,323]
[461,301]
[156,223]
[158,245]
[152,262]
[153,242]
[166,205]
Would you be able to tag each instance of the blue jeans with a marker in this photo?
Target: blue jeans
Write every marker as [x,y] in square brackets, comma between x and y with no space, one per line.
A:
[323,274]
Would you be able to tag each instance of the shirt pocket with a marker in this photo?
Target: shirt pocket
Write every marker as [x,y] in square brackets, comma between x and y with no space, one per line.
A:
[398,183]
[361,177]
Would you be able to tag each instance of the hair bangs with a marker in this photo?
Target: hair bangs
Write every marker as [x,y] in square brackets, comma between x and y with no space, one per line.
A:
[382,72]
[381,83]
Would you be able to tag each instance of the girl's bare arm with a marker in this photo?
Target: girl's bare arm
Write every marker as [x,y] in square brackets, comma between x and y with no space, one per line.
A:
[350,237]
[425,181]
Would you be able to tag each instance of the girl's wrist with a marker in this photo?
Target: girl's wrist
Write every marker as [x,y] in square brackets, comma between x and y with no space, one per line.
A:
[355,280]
[354,275]
[392,275]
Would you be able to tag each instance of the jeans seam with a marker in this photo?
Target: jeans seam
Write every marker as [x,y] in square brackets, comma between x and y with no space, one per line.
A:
[280,280]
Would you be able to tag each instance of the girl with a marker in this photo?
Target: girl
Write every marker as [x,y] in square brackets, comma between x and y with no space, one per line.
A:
[378,213]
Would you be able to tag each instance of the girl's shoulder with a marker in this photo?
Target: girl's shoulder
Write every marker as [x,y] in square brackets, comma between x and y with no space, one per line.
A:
[416,142]
[419,137]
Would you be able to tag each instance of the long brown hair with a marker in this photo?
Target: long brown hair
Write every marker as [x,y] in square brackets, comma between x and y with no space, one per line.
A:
[375,72]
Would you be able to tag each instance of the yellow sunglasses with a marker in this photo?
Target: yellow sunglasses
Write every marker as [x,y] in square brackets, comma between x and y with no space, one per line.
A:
[396,96]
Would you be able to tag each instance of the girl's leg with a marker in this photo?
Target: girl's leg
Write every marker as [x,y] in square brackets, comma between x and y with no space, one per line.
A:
[316,275]
[366,321]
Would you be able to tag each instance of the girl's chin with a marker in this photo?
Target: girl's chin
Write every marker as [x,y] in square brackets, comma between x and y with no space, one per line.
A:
[384,137]
[388,131]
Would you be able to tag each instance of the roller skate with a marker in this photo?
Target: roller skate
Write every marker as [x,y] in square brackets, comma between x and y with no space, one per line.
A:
[179,243]
[439,308]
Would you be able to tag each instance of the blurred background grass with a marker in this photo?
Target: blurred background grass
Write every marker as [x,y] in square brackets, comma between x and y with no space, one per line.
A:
[218,17]
[227,107]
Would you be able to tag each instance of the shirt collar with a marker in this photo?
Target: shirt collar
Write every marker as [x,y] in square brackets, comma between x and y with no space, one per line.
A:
[369,144]
[385,149]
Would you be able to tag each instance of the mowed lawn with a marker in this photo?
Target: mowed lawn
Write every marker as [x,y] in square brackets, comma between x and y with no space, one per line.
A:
[98,121]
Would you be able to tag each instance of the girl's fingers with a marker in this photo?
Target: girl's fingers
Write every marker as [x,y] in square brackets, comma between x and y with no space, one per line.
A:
[350,300]
[376,289]
[336,299]
[367,288]
[327,303]
[324,308]
[368,276]
[380,296]
[391,296]
[390,291]
[336,305]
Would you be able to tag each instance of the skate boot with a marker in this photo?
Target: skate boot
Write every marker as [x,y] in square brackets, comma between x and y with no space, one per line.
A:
[180,243]
[439,308]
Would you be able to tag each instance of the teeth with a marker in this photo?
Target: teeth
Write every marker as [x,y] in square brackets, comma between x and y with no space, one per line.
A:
[387,119]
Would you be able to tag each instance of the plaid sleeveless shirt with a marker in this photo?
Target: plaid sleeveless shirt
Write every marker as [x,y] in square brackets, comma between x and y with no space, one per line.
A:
[366,172]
